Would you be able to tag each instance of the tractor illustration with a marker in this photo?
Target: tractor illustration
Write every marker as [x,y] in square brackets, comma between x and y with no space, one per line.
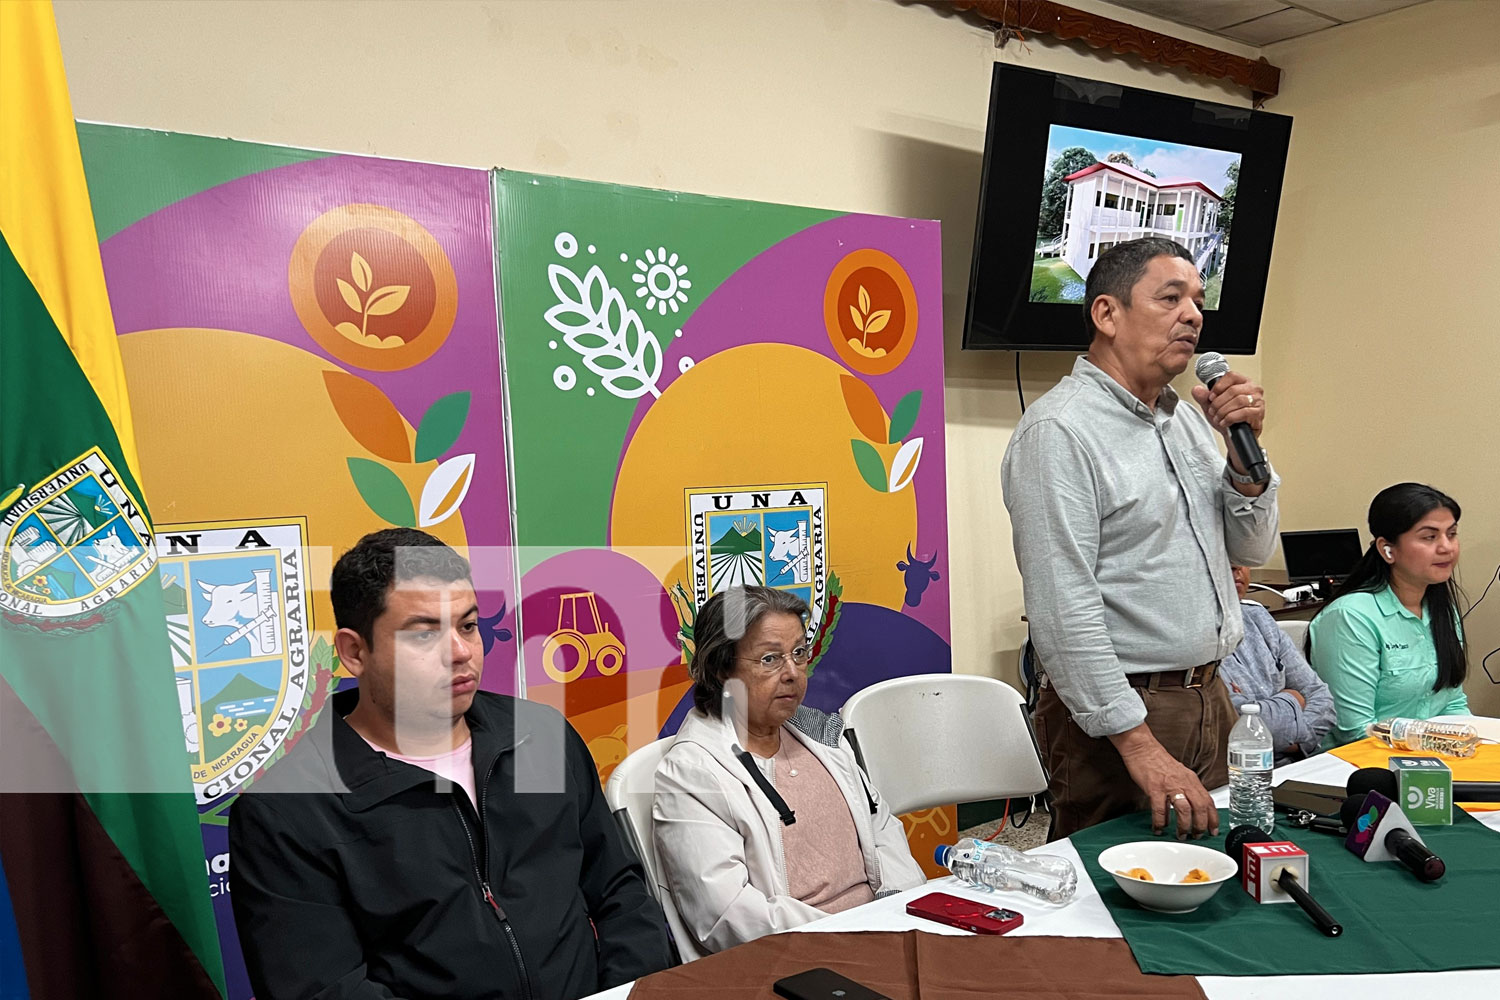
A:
[590,640]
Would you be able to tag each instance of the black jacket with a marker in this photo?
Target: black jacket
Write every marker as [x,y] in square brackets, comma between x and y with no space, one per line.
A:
[384,890]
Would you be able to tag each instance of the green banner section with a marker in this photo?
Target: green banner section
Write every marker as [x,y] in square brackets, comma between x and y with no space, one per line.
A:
[605,235]
[133,172]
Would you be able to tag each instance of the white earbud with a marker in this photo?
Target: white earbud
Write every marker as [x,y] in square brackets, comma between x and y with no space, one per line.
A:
[1387,551]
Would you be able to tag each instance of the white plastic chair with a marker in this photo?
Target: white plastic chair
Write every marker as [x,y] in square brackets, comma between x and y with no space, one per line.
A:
[1295,631]
[934,739]
[629,792]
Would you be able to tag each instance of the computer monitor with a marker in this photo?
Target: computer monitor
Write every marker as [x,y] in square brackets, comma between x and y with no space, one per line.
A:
[1320,555]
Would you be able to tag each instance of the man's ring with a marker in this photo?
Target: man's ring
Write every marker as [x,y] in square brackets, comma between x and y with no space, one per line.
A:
[1178,795]
[1249,400]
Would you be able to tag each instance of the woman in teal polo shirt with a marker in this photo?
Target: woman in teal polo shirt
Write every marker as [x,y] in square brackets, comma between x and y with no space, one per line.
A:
[1391,643]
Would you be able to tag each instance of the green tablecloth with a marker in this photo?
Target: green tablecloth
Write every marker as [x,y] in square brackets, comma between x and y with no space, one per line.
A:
[1392,922]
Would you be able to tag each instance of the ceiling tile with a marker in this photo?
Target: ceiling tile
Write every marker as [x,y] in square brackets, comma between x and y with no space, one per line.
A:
[1208,14]
[1353,10]
[1277,27]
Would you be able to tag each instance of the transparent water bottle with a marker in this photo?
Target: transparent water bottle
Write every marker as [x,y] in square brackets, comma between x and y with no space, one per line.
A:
[1251,757]
[1451,739]
[995,866]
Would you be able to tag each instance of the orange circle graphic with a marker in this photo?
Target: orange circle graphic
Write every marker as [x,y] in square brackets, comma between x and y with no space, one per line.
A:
[373,287]
[870,310]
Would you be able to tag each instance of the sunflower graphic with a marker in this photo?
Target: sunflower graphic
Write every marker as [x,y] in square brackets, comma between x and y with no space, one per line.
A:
[663,281]
[219,726]
[240,725]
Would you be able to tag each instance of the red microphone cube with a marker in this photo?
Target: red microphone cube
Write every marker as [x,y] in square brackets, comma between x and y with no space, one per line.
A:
[1264,863]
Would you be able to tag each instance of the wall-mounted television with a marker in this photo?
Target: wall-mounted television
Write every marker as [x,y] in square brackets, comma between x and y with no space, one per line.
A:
[1074,166]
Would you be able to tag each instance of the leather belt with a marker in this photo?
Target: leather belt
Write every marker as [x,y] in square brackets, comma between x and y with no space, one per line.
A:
[1190,678]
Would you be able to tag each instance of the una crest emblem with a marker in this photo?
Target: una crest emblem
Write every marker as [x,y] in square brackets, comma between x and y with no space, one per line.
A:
[75,542]
[237,620]
[769,536]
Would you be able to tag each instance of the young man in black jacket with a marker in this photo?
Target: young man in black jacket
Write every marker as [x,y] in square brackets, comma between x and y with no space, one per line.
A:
[427,839]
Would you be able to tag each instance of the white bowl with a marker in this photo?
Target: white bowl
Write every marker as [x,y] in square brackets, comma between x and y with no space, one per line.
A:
[1168,862]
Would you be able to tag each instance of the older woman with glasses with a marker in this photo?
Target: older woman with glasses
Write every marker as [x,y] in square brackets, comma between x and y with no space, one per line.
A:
[764,820]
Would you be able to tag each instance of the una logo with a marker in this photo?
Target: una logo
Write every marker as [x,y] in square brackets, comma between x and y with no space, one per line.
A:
[771,536]
[1414,798]
[73,543]
[238,624]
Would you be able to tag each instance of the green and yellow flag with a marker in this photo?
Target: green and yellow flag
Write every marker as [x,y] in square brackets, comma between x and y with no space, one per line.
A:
[104,891]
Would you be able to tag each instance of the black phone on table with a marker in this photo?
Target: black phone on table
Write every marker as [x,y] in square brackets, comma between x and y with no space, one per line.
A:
[823,984]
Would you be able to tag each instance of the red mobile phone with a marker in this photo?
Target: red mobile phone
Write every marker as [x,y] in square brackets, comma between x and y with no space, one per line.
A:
[971,915]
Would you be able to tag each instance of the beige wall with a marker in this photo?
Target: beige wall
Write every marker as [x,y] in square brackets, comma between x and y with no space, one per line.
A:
[859,105]
[1376,335]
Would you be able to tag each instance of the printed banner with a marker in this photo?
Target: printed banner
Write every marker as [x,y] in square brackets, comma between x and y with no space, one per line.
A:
[707,392]
[311,349]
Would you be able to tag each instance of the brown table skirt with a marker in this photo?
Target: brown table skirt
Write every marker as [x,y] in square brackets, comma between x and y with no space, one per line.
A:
[914,965]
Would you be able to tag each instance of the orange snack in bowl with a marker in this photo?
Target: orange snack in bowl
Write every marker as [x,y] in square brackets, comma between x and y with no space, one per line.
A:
[1139,873]
[1196,875]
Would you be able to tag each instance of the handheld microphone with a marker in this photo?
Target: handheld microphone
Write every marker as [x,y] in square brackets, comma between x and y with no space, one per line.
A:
[1476,791]
[1265,862]
[1378,779]
[1372,779]
[1211,367]
[1380,831]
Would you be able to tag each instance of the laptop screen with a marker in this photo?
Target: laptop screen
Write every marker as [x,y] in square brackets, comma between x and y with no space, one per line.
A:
[1313,555]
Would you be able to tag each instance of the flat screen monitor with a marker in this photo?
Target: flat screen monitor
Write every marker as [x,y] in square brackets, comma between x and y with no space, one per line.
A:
[1074,166]
[1317,555]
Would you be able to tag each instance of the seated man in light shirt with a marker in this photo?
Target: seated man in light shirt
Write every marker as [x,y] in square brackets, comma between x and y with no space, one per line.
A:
[1268,669]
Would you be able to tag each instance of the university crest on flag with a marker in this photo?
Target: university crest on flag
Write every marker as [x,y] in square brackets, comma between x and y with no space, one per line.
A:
[237,619]
[768,536]
[73,543]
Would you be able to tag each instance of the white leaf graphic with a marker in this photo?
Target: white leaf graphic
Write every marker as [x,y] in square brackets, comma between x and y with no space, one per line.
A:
[598,325]
[904,465]
[445,490]
[576,309]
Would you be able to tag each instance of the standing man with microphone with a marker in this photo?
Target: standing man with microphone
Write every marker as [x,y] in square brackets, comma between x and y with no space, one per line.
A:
[1125,519]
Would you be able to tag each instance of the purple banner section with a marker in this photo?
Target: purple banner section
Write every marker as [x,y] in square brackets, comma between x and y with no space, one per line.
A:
[783,296]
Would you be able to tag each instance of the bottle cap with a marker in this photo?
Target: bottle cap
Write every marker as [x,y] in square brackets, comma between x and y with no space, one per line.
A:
[940,855]
[1249,708]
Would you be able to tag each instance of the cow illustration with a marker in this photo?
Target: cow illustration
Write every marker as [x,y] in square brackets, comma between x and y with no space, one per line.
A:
[919,575]
[248,608]
[789,547]
[109,557]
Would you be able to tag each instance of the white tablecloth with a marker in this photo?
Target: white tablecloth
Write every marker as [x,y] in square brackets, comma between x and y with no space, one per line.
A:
[1086,916]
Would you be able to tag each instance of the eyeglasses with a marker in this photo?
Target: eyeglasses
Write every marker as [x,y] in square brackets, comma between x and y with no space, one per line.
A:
[771,662]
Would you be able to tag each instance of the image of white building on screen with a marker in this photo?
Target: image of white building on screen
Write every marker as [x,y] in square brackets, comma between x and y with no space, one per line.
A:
[1108,203]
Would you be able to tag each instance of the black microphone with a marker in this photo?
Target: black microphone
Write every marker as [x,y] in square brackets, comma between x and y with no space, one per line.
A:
[1378,779]
[1414,855]
[1476,791]
[1372,779]
[1286,878]
[1212,367]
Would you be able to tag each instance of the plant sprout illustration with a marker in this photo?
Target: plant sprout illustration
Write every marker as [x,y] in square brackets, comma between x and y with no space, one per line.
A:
[599,326]
[868,321]
[382,301]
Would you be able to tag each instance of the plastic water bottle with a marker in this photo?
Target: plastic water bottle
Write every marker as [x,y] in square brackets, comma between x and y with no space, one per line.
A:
[1251,757]
[1451,739]
[995,866]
